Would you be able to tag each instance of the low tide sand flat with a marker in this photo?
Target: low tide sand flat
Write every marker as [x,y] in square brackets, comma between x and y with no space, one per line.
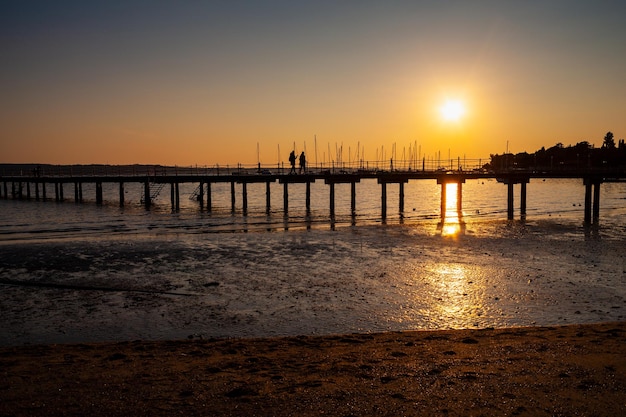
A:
[566,370]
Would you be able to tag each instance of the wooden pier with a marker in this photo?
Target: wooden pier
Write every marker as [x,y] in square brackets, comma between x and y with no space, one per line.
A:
[34,186]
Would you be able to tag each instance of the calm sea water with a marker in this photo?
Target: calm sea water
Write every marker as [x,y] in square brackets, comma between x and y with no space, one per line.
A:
[484,201]
[81,272]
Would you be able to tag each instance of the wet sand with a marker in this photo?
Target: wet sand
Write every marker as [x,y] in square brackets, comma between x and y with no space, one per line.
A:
[565,370]
[361,280]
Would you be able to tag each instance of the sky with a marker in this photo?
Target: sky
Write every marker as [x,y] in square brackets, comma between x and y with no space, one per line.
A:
[226,82]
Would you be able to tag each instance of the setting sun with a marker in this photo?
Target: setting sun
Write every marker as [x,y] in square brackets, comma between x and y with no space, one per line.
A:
[452,110]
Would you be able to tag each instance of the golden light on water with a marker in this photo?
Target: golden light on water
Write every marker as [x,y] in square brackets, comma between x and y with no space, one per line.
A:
[452,224]
[459,294]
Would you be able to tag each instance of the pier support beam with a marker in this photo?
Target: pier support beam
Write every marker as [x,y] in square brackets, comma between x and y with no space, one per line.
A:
[332,199]
[285,197]
[28,190]
[522,204]
[268,198]
[201,195]
[510,182]
[175,196]
[146,194]
[76,192]
[443,201]
[232,196]
[383,200]
[383,181]
[43,191]
[244,190]
[444,180]
[509,201]
[596,202]
[331,181]
[590,183]
[209,200]
[121,194]
[6,195]
[588,186]
[308,198]
[99,198]
[353,198]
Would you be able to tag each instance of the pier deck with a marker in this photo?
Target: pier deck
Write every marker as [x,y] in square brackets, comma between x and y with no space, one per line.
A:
[18,185]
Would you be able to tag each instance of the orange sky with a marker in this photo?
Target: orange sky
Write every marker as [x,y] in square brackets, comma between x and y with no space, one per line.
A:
[207,83]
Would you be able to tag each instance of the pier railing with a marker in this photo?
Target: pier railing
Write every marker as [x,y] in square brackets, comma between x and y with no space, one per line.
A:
[17,182]
[333,167]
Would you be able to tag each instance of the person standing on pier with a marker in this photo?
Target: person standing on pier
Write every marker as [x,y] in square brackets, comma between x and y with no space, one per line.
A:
[292,161]
[302,163]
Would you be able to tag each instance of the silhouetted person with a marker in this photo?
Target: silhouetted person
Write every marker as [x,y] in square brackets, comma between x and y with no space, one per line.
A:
[292,161]
[302,163]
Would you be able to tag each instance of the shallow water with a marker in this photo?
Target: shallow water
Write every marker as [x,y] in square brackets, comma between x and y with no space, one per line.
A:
[77,272]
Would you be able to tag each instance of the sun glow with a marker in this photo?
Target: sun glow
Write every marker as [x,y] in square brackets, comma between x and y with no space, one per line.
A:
[452,110]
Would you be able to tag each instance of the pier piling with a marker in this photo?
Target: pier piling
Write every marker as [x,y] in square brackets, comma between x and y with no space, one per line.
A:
[522,204]
[308,197]
[590,183]
[285,197]
[353,198]
[209,201]
[588,186]
[147,200]
[232,196]
[201,194]
[383,200]
[177,196]
[244,192]
[443,201]
[596,201]
[21,187]
[99,199]
[332,199]
[509,201]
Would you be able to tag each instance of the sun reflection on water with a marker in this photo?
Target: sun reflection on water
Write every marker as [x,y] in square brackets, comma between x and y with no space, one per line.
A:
[458,299]
[452,224]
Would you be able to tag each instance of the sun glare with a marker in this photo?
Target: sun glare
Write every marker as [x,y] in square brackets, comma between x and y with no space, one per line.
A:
[452,110]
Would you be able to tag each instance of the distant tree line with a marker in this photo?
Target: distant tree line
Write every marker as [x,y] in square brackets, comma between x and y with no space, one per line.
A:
[583,155]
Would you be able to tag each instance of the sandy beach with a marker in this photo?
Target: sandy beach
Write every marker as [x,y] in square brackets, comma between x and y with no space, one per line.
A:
[532,371]
[357,321]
